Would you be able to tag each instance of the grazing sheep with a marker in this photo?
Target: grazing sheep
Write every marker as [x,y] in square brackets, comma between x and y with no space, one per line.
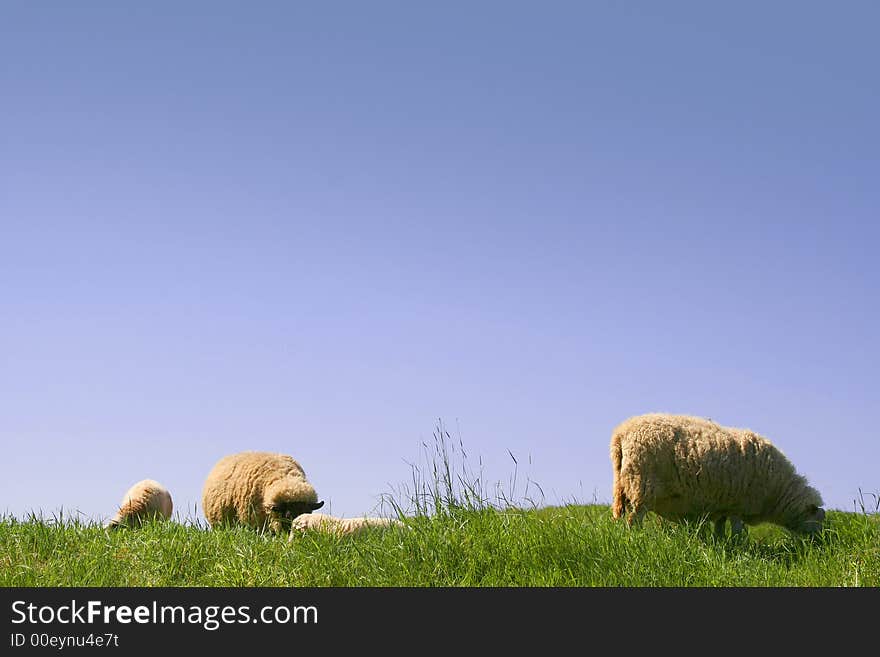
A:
[259,490]
[340,526]
[687,468]
[145,500]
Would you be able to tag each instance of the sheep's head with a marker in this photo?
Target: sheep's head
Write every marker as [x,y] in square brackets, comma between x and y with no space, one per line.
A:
[808,515]
[287,511]
[812,520]
[286,499]
[798,506]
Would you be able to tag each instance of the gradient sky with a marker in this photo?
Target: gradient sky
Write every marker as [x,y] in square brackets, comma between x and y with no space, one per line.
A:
[319,228]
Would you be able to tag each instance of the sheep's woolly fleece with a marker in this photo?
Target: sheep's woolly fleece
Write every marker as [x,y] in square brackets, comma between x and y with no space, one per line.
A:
[257,489]
[341,526]
[685,467]
[147,499]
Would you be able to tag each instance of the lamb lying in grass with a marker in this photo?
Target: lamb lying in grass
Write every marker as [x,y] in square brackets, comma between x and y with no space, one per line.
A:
[340,526]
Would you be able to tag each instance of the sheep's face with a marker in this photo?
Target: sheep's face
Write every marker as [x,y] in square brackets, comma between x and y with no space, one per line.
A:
[281,513]
[812,520]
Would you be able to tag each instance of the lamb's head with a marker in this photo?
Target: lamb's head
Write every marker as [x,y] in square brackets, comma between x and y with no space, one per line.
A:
[287,498]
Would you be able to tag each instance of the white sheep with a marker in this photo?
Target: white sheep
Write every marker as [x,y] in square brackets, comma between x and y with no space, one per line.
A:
[257,489]
[145,500]
[683,467]
[340,526]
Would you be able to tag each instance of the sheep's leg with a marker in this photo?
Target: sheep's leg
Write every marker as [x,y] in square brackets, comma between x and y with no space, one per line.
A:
[620,505]
[719,526]
[636,516]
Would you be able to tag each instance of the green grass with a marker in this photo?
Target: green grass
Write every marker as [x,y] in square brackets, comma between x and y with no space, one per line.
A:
[558,546]
[454,536]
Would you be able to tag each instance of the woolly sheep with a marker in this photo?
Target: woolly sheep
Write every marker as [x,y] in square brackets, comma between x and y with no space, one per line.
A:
[147,499]
[257,489]
[683,467]
[341,526]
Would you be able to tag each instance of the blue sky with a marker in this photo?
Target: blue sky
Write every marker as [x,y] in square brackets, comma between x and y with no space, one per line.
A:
[319,229]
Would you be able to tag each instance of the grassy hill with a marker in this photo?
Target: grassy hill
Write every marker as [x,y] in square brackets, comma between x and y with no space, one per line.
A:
[555,546]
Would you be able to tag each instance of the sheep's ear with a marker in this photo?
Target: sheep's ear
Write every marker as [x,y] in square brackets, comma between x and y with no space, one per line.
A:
[317,505]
